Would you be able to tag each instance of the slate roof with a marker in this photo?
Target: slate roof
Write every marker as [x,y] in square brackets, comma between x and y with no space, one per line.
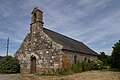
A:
[69,43]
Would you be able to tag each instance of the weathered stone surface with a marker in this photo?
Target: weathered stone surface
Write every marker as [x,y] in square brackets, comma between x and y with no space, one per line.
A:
[79,56]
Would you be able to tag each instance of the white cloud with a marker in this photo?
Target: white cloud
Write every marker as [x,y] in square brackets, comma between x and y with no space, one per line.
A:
[109,26]
[107,51]
[104,43]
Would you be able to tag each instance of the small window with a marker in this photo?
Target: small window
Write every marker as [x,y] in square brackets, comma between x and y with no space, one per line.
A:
[75,59]
[85,59]
[35,15]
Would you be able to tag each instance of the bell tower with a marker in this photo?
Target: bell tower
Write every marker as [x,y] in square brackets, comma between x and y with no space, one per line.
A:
[37,15]
[36,20]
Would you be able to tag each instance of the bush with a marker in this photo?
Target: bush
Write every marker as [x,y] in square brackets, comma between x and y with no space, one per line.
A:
[9,64]
[77,67]
[105,59]
[85,66]
[74,68]
[96,64]
[64,71]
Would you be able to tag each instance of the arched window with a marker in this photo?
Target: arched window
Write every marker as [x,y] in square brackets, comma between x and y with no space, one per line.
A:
[75,59]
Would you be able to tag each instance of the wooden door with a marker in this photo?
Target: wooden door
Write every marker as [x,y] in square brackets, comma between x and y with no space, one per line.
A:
[33,65]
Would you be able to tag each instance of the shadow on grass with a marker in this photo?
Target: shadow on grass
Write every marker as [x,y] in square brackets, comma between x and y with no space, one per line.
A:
[114,70]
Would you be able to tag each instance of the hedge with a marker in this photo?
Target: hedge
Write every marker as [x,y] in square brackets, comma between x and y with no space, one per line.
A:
[9,64]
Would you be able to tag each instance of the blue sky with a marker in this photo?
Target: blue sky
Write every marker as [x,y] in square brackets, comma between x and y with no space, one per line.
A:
[93,22]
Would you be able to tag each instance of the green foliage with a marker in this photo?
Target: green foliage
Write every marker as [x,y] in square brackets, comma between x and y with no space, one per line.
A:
[9,64]
[96,64]
[105,59]
[116,55]
[65,70]
[85,66]
[45,73]
[77,67]
[0,57]
[80,67]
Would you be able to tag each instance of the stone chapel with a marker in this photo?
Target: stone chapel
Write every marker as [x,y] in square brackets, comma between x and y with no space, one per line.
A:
[44,49]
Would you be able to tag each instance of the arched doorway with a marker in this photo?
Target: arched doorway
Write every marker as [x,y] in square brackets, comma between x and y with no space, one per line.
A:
[33,65]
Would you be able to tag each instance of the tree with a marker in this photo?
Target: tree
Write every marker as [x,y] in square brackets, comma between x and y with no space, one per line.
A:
[116,55]
[105,59]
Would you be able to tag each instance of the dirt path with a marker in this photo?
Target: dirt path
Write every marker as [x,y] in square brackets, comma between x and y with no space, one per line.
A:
[10,77]
[90,75]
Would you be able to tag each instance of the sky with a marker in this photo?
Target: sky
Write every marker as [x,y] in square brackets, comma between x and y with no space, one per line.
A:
[96,23]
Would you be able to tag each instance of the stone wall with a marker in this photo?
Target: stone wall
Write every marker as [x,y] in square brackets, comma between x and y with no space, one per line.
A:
[69,55]
[48,53]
